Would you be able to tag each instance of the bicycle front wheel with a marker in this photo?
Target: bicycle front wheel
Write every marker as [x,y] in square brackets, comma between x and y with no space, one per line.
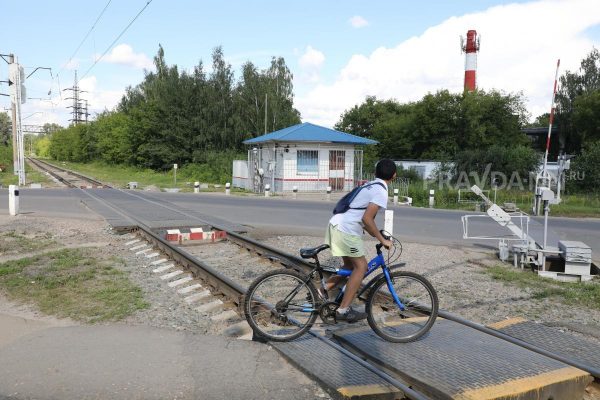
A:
[281,305]
[409,320]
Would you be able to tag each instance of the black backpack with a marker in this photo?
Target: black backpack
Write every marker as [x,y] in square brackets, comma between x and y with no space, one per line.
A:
[343,204]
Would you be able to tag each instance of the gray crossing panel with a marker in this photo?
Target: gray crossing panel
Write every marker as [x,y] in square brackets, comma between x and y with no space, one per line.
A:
[456,362]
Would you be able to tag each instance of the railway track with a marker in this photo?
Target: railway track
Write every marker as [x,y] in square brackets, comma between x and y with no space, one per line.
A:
[68,178]
[221,289]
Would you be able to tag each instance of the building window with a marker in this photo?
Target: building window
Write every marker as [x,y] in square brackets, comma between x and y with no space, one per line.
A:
[308,162]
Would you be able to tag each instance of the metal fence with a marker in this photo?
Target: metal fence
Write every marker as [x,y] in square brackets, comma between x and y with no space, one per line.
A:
[398,183]
[308,169]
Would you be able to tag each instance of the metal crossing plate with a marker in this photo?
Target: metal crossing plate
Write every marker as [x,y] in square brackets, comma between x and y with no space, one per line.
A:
[336,371]
[152,210]
[454,361]
[569,346]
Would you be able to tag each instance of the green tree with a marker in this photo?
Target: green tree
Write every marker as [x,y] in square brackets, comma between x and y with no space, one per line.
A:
[439,125]
[513,162]
[586,116]
[586,167]
[5,129]
[114,137]
[41,146]
[583,82]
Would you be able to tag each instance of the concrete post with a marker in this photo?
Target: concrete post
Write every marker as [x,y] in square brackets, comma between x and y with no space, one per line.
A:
[295,190]
[196,187]
[431,198]
[395,196]
[13,199]
[228,188]
[267,190]
[328,193]
[388,225]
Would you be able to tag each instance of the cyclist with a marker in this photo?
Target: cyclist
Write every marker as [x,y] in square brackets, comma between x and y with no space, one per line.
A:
[344,235]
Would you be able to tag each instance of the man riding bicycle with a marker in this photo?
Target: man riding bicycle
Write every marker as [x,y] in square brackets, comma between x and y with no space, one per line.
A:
[344,235]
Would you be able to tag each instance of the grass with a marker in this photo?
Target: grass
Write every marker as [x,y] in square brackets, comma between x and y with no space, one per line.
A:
[15,243]
[72,283]
[585,294]
[7,177]
[120,176]
[572,205]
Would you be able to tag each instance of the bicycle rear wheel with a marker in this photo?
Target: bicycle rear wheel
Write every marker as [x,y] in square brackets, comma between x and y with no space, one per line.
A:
[281,305]
[420,304]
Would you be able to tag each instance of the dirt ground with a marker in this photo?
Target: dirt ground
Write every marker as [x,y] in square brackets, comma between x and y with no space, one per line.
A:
[458,273]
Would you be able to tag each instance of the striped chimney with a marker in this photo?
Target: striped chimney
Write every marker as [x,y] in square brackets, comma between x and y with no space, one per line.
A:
[470,48]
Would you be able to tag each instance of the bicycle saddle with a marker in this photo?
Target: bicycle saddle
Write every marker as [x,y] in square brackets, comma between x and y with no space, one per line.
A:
[311,252]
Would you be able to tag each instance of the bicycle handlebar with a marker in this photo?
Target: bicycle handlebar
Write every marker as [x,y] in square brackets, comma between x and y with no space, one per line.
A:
[378,246]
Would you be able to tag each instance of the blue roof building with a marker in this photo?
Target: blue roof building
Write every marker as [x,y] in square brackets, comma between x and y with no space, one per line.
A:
[307,132]
[305,157]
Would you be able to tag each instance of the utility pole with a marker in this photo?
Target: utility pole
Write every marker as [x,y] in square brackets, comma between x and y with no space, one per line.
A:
[78,109]
[11,60]
[18,96]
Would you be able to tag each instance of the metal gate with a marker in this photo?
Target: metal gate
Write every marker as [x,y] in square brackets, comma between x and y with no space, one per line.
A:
[337,168]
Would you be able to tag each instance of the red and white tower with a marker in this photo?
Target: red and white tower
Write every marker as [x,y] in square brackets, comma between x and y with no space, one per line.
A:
[471,47]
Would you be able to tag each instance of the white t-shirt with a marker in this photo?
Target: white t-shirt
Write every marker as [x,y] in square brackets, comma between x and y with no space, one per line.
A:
[351,221]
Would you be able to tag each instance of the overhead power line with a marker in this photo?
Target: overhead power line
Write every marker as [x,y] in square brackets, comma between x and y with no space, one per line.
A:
[86,35]
[116,39]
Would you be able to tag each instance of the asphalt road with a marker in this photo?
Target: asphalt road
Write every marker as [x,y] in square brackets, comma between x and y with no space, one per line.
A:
[288,216]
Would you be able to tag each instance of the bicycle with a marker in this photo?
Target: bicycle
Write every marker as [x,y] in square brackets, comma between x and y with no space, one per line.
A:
[284,304]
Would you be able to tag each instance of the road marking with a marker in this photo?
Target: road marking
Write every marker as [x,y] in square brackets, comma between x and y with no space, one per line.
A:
[162,260]
[132,242]
[152,255]
[171,275]
[358,391]
[189,289]
[163,268]
[197,296]
[224,316]
[514,387]
[208,307]
[180,282]
[138,247]
[507,322]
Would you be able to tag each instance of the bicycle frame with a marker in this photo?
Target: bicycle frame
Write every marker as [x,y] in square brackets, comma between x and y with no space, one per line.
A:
[376,262]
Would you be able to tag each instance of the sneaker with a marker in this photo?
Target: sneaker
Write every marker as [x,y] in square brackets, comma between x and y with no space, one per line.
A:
[351,315]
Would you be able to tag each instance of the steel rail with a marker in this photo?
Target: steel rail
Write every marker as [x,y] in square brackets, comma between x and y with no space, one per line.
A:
[266,250]
[595,371]
[236,292]
[52,173]
[77,174]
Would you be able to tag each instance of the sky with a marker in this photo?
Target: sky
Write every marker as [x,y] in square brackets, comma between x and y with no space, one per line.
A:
[338,51]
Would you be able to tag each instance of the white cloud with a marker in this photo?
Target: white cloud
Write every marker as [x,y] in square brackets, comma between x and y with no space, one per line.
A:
[519,47]
[123,54]
[310,62]
[312,58]
[358,22]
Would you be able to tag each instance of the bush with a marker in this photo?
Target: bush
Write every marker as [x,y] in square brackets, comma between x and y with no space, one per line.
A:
[214,167]
[488,163]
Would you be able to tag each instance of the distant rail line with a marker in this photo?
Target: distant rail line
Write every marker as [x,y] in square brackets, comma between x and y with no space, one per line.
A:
[67,177]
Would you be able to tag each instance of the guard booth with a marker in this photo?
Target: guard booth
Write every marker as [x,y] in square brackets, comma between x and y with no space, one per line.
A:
[306,156]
